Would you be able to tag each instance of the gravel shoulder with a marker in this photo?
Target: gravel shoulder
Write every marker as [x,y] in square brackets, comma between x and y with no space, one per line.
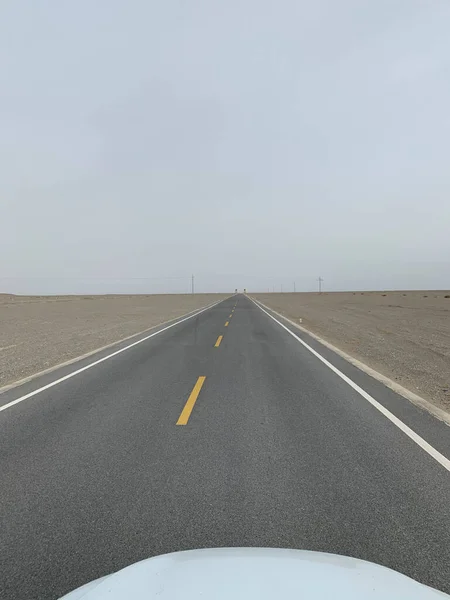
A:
[404,335]
[40,332]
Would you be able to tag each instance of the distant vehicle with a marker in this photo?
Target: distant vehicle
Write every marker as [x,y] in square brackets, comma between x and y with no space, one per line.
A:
[245,290]
[254,574]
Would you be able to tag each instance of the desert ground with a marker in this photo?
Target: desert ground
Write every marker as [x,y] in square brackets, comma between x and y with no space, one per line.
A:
[404,335]
[40,332]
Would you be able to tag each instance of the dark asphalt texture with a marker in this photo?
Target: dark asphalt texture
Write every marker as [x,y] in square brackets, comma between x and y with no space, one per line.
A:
[278,451]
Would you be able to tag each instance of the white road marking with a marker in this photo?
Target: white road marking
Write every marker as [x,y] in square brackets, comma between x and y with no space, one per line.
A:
[440,458]
[97,362]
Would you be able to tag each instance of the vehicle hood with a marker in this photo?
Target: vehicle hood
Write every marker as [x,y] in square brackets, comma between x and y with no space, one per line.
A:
[254,573]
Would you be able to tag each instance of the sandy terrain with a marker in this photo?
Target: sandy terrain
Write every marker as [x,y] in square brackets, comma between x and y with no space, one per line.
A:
[403,335]
[39,332]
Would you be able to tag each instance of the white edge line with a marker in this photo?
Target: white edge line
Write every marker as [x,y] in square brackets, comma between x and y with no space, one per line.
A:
[100,360]
[70,361]
[420,402]
[440,458]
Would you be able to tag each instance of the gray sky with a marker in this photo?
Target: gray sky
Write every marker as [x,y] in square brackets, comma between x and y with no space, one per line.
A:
[250,142]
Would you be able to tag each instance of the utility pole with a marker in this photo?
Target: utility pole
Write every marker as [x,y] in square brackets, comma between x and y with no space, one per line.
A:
[294,287]
[320,284]
[192,284]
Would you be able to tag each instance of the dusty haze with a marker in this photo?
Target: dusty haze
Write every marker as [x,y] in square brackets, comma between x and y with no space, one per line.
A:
[252,143]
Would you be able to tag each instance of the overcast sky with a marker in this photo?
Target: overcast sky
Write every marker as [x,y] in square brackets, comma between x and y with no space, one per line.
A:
[253,143]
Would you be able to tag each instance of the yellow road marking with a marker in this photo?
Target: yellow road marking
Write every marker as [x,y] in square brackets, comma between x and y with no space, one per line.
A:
[226,324]
[219,339]
[186,412]
[230,316]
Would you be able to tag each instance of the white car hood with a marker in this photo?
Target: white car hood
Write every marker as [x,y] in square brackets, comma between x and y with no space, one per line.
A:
[254,573]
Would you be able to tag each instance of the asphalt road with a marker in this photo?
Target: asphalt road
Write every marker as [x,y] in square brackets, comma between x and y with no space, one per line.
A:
[277,450]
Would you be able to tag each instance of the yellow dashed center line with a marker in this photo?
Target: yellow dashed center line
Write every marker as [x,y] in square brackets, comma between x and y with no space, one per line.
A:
[188,407]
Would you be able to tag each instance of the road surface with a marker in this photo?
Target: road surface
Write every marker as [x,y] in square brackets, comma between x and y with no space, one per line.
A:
[190,440]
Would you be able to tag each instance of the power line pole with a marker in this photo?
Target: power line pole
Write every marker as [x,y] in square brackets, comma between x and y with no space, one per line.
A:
[320,284]
[192,284]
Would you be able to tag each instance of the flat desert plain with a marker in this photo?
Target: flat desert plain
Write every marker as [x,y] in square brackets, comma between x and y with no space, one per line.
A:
[40,332]
[405,335]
